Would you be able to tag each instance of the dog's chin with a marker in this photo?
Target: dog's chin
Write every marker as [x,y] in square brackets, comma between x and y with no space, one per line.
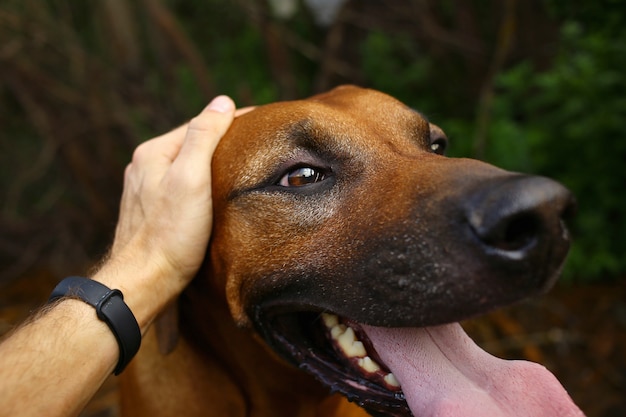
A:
[339,354]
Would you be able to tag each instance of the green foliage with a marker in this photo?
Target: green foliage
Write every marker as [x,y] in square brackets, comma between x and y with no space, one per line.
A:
[236,65]
[394,65]
[568,123]
[399,65]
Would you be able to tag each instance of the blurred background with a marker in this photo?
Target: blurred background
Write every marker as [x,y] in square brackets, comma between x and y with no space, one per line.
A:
[530,85]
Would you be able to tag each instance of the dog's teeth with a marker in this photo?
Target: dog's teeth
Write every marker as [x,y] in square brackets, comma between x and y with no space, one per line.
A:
[391,380]
[346,340]
[330,320]
[337,331]
[358,350]
[350,346]
[368,365]
[344,336]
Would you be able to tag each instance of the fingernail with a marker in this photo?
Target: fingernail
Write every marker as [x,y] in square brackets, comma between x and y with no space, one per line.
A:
[221,104]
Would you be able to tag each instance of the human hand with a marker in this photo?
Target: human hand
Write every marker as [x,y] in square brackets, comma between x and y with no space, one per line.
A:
[161,238]
[166,212]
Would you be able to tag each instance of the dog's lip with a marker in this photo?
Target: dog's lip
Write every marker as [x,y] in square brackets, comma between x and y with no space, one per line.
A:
[300,338]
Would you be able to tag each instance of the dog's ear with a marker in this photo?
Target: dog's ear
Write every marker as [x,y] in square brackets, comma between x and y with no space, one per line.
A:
[166,326]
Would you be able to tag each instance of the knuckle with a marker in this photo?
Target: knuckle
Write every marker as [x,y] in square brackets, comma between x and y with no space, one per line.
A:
[200,123]
[208,123]
[141,153]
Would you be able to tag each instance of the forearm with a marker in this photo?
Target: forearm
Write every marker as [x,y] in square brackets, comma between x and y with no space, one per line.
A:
[68,368]
[56,362]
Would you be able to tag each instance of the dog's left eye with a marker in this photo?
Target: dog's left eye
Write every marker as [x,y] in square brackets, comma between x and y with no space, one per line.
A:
[439,146]
[302,176]
[438,140]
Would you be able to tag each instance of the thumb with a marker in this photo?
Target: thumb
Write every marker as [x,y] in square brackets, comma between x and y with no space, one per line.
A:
[204,133]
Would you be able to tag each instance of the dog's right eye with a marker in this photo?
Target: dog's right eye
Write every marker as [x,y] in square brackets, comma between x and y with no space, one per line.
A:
[302,176]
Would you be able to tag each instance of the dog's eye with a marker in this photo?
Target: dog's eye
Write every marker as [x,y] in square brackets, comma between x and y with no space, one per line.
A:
[439,146]
[302,176]
[438,140]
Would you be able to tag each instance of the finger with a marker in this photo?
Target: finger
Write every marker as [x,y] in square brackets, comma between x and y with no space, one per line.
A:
[170,143]
[162,149]
[152,159]
[173,134]
[204,133]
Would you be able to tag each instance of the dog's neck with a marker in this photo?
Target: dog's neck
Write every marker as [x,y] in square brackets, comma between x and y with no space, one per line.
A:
[253,368]
[191,380]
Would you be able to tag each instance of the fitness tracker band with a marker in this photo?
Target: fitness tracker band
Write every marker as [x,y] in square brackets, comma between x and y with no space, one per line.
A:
[110,308]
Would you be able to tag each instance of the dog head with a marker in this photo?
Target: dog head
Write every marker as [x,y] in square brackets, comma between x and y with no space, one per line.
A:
[342,212]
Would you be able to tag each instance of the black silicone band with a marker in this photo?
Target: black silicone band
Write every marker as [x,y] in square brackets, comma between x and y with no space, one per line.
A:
[110,308]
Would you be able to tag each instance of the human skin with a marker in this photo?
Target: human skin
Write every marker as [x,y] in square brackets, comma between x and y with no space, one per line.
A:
[56,361]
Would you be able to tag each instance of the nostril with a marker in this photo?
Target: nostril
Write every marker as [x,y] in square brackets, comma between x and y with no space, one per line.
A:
[570,207]
[512,233]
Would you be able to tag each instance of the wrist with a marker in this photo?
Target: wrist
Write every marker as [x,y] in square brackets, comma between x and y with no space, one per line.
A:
[134,283]
[110,308]
[148,282]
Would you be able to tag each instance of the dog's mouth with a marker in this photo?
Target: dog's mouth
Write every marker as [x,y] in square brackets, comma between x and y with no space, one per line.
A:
[431,371]
[339,353]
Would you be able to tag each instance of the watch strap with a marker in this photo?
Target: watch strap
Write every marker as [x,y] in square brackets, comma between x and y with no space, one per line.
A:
[110,308]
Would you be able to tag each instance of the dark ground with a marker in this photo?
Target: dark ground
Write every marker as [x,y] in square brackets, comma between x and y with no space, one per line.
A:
[578,332]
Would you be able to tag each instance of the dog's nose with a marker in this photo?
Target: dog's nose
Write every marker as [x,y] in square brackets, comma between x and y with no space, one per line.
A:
[512,215]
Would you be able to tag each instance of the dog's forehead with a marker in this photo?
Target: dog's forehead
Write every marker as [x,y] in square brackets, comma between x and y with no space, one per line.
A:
[339,125]
[345,114]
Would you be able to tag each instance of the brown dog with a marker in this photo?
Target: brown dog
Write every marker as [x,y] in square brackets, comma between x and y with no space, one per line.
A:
[341,237]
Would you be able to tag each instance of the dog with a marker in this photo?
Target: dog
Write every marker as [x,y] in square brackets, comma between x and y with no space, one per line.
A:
[345,249]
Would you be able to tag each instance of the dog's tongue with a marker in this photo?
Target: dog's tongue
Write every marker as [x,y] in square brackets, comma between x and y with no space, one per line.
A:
[444,373]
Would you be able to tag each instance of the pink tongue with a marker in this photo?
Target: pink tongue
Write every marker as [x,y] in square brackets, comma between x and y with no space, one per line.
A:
[444,373]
